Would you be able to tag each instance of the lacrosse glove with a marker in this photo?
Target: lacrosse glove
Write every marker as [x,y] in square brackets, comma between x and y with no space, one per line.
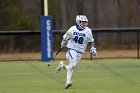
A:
[93,51]
[63,43]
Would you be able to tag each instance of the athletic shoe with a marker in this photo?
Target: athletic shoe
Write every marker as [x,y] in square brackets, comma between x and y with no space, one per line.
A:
[60,66]
[67,85]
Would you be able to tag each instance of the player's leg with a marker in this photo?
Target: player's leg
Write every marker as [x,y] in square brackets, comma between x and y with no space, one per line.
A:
[74,59]
[60,66]
[79,56]
[69,73]
[68,78]
[70,68]
[71,56]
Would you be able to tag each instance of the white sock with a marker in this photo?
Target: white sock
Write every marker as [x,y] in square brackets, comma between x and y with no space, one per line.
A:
[69,75]
[62,65]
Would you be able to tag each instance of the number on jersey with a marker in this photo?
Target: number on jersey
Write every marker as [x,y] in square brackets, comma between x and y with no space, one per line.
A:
[78,40]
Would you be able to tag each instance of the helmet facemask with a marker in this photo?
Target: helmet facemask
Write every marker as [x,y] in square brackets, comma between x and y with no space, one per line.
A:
[83,24]
[82,21]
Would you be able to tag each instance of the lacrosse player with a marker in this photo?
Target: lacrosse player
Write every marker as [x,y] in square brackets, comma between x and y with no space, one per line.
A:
[76,40]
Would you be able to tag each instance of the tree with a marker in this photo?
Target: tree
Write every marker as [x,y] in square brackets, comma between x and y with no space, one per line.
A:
[12,16]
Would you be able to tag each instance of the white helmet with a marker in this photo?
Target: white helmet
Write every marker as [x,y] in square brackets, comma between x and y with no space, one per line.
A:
[81,21]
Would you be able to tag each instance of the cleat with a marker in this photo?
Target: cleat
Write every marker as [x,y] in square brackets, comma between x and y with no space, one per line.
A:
[67,85]
[59,66]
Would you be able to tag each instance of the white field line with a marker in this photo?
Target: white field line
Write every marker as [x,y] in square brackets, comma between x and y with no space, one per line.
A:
[18,74]
[97,78]
[37,81]
[34,81]
[104,70]
[22,64]
[12,65]
[79,71]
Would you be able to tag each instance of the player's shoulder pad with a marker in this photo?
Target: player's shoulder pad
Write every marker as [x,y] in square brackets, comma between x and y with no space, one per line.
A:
[87,28]
[71,28]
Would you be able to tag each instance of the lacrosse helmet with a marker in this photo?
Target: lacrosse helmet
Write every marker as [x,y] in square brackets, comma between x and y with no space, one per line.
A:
[81,21]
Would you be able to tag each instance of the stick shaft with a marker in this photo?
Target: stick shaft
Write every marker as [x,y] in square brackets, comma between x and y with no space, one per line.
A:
[54,57]
[57,53]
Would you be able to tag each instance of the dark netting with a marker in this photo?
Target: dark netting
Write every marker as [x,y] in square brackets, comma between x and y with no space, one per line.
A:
[109,43]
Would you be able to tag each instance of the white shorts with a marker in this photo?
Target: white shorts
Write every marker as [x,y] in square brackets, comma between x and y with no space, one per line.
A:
[74,57]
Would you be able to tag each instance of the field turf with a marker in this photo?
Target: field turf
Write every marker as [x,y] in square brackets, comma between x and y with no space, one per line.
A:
[91,76]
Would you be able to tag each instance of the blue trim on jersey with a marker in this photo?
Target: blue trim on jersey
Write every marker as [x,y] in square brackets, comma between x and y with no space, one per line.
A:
[70,54]
[75,50]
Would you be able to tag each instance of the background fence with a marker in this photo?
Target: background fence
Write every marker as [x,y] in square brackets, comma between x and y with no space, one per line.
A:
[110,43]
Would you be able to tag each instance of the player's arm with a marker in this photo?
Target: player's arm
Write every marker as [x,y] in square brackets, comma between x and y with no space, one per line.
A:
[65,39]
[92,44]
[92,48]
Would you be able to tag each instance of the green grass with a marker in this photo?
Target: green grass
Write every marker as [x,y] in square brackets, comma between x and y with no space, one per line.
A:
[91,76]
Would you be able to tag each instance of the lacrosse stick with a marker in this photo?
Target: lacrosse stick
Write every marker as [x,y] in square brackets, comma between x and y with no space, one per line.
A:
[54,57]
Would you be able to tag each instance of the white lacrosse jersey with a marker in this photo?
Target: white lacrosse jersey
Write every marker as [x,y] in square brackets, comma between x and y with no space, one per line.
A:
[79,39]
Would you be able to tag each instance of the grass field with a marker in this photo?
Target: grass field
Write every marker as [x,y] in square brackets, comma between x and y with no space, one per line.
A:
[91,76]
